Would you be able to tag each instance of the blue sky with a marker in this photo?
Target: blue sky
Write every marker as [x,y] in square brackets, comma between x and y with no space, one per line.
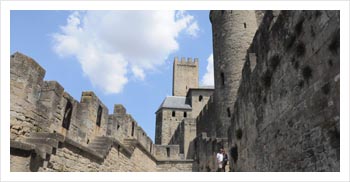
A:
[125,57]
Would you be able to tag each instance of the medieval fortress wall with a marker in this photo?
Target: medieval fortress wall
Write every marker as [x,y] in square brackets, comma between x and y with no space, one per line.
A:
[50,131]
[288,105]
[275,106]
[286,111]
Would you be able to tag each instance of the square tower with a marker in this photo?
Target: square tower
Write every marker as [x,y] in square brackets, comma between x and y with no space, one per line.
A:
[185,76]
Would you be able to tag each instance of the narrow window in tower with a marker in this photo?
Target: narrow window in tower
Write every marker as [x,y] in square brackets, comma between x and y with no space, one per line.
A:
[200,98]
[168,152]
[132,128]
[228,112]
[222,79]
[245,25]
[67,115]
[99,116]
[173,114]
[185,114]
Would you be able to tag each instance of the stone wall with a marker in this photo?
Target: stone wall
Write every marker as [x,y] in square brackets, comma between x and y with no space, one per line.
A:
[199,98]
[190,130]
[286,117]
[175,166]
[123,126]
[167,152]
[166,123]
[205,150]
[51,131]
[70,158]
[184,134]
[90,106]
[21,156]
[27,114]
[206,119]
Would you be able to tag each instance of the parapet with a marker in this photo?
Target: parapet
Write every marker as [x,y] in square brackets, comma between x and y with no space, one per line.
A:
[87,96]
[119,109]
[23,64]
[189,61]
[52,86]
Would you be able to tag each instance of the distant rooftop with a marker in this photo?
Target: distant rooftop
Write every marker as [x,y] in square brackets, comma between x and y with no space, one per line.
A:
[175,102]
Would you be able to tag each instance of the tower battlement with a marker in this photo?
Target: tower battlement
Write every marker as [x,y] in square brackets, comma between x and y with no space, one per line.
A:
[186,62]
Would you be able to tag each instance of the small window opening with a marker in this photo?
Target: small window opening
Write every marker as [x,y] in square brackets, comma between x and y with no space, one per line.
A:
[222,78]
[99,116]
[200,98]
[228,112]
[67,115]
[168,152]
[173,114]
[132,128]
[185,114]
[88,141]
[118,126]
[245,25]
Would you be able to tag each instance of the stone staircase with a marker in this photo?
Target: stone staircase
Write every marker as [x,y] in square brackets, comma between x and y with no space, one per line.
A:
[46,144]
[129,144]
[101,145]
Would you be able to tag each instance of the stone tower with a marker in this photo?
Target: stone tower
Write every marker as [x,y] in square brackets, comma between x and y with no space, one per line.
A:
[185,76]
[233,32]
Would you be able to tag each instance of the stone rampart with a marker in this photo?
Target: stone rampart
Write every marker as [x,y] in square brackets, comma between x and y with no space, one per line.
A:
[286,116]
[51,131]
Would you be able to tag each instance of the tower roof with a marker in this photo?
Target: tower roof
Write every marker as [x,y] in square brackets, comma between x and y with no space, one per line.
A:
[175,102]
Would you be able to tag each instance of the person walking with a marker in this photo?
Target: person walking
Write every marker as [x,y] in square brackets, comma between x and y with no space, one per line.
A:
[219,159]
[224,160]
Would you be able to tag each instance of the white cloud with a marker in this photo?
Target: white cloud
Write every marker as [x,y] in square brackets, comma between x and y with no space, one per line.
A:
[111,44]
[193,29]
[208,78]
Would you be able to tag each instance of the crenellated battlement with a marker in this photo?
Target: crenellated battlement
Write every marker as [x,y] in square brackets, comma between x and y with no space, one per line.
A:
[84,124]
[186,62]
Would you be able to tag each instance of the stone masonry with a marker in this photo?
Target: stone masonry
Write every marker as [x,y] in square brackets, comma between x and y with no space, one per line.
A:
[233,31]
[50,131]
[275,106]
[185,76]
[286,115]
